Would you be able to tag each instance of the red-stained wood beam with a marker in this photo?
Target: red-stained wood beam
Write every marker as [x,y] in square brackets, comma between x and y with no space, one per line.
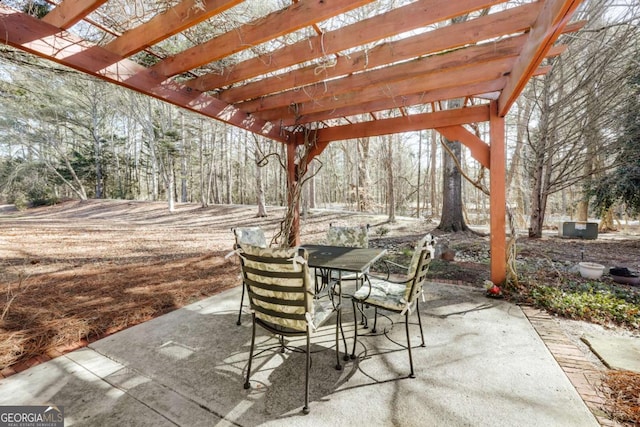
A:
[541,71]
[184,15]
[397,90]
[550,23]
[415,15]
[35,36]
[479,113]
[458,91]
[426,68]
[574,26]
[484,28]
[276,24]
[497,197]
[556,50]
[478,148]
[69,12]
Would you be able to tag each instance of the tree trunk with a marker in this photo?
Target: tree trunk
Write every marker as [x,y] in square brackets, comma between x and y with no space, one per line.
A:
[606,224]
[311,194]
[433,188]
[204,202]
[452,218]
[419,173]
[170,184]
[391,194]
[183,163]
[228,173]
[364,180]
[98,166]
[262,205]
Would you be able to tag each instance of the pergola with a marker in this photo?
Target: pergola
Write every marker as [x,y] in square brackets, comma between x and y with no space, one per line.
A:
[317,71]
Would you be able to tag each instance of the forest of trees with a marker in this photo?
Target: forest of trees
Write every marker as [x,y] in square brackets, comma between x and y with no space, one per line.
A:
[573,138]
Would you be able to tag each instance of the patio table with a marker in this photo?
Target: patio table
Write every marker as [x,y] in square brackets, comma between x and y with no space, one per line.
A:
[341,259]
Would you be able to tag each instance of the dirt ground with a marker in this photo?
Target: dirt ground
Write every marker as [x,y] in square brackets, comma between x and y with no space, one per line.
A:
[78,271]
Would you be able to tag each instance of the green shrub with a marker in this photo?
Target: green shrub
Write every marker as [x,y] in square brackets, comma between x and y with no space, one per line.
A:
[19,200]
[41,197]
[591,302]
[382,231]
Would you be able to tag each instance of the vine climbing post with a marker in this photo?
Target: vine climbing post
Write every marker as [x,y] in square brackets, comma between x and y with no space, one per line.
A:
[302,148]
[293,199]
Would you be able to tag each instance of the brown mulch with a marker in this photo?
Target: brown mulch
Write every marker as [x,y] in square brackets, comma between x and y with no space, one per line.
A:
[55,310]
[622,389]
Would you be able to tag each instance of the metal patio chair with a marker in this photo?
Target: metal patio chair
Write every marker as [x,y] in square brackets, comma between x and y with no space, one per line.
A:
[253,236]
[347,236]
[281,295]
[399,297]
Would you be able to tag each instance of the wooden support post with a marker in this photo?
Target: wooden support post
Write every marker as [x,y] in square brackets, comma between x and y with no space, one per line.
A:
[498,202]
[292,188]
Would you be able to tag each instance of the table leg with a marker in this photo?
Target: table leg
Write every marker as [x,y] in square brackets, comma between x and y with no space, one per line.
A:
[339,322]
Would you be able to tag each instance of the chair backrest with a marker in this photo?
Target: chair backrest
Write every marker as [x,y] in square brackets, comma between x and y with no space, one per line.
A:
[253,236]
[352,237]
[279,286]
[419,266]
[429,242]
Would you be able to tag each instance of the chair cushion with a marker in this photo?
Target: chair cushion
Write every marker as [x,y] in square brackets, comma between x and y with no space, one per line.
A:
[322,310]
[253,236]
[353,237]
[388,295]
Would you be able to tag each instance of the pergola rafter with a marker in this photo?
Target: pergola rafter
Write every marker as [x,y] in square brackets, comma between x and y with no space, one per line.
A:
[333,76]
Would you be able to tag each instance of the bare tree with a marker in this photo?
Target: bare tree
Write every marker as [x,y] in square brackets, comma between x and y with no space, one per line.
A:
[570,130]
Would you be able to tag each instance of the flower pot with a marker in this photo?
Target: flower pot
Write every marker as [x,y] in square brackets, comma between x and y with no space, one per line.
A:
[624,275]
[627,280]
[591,270]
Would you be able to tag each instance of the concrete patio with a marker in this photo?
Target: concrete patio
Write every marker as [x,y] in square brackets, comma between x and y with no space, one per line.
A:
[484,365]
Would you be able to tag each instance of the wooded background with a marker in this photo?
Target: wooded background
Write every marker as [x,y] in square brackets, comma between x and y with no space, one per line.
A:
[573,142]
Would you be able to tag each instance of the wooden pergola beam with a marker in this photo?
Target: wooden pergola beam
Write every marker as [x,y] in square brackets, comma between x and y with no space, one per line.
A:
[182,16]
[298,15]
[425,68]
[465,75]
[478,148]
[70,12]
[414,122]
[412,16]
[458,91]
[497,197]
[36,36]
[553,17]
[487,27]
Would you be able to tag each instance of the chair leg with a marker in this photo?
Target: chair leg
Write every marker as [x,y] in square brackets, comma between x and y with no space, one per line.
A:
[241,302]
[420,323]
[305,408]
[406,325]
[375,319]
[253,341]
[338,326]
[355,333]
[344,341]
[359,284]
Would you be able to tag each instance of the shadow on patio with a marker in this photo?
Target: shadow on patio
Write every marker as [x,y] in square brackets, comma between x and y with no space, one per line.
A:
[484,365]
